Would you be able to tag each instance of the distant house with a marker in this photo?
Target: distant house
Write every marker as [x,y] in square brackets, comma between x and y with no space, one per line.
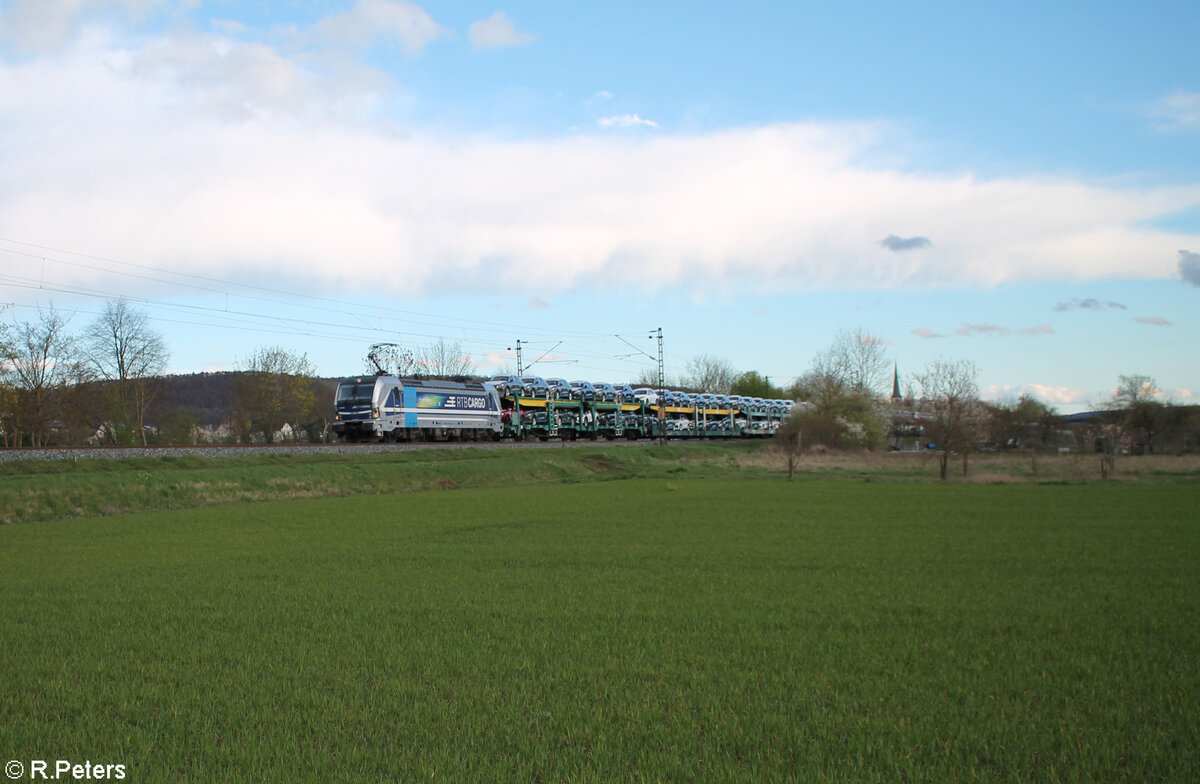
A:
[213,434]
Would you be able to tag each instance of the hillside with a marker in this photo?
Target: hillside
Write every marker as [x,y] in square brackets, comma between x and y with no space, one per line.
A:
[210,398]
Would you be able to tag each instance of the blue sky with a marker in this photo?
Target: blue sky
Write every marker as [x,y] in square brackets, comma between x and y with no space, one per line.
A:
[1017,184]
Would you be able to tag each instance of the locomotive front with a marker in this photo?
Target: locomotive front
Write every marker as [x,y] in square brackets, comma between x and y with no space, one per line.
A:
[357,409]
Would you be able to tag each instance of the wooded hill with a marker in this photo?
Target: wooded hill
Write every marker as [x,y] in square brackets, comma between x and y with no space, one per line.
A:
[211,398]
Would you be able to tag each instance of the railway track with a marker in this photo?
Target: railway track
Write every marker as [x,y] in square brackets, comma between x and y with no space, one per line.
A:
[76,453]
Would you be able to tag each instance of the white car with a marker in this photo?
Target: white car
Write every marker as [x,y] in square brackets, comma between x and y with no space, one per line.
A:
[645,395]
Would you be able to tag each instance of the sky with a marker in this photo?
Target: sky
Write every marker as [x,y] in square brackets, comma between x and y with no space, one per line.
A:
[1017,184]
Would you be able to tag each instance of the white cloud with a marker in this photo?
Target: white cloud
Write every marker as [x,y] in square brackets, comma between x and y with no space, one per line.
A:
[46,25]
[200,152]
[230,79]
[497,31]
[625,121]
[1088,304]
[1049,394]
[992,330]
[229,26]
[989,330]
[382,21]
[497,359]
[1179,111]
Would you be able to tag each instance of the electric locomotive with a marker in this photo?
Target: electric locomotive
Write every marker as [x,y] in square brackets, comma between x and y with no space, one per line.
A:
[386,408]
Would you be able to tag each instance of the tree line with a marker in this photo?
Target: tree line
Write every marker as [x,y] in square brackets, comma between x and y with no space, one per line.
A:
[940,410]
[104,384]
[100,385]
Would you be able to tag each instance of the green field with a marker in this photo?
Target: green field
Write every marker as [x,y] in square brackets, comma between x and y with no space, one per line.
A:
[661,629]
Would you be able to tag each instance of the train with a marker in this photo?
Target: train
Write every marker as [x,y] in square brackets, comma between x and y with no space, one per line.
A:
[388,408]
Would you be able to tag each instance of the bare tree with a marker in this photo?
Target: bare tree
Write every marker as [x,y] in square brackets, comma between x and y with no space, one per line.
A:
[276,386]
[123,349]
[856,360]
[39,361]
[8,414]
[844,384]
[646,377]
[789,438]
[8,395]
[1142,409]
[707,373]
[444,360]
[823,390]
[950,407]
[841,416]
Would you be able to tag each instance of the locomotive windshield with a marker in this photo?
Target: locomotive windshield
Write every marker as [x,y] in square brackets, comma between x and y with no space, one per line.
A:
[355,392]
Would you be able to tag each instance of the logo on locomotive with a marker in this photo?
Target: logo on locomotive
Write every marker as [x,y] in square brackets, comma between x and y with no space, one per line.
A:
[469,402]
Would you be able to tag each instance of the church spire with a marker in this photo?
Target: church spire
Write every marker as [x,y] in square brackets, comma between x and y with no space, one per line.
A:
[896,396]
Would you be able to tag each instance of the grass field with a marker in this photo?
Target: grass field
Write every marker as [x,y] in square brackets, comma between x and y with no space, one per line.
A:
[658,629]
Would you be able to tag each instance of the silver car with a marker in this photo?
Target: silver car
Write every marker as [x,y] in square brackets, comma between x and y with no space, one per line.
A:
[560,389]
[584,390]
[535,386]
[506,385]
[605,391]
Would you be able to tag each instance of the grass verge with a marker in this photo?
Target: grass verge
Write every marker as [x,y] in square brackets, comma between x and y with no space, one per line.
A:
[52,490]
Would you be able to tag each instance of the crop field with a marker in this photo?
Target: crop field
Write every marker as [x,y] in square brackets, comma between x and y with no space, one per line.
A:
[641,629]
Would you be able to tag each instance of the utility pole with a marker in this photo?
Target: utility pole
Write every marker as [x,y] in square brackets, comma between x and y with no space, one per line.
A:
[662,378]
[520,367]
[662,387]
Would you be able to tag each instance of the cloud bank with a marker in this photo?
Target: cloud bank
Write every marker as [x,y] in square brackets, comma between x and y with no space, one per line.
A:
[209,152]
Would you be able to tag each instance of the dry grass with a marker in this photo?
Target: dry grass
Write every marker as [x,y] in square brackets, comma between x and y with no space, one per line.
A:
[982,467]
